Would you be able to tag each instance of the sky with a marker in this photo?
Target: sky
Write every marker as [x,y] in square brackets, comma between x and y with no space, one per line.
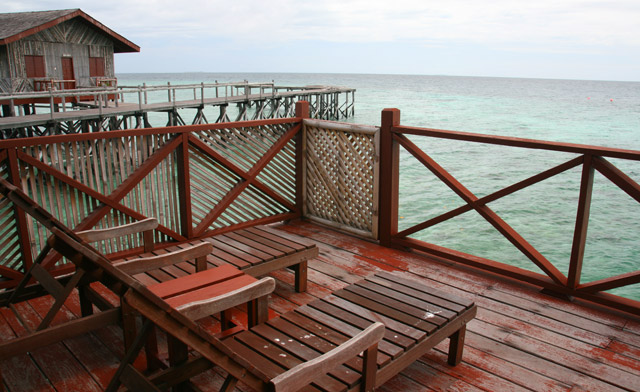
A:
[556,39]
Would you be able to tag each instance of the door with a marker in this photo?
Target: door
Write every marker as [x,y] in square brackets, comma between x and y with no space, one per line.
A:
[67,73]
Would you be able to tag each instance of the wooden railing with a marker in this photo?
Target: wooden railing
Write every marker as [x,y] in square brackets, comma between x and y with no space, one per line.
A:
[196,180]
[200,180]
[590,159]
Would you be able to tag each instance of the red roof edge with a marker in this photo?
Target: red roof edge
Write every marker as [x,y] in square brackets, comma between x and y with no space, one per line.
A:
[122,44]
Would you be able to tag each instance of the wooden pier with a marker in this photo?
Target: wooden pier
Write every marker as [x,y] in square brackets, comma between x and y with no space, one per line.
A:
[108,109]
[221,184]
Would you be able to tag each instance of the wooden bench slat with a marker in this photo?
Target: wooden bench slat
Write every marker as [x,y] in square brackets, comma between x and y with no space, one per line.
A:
[230,250]
[228,258]
[187,283]
[265,241]
[418,303]
[272,235]
[401,306]
[423,325]
[394,325]
[255,248]
[428,297]
[282,358]
[299,332]
[267,367]
[299,348]
[386,347]
[291,237]
[360,322]
[319,329]
[210,291]
[467,303]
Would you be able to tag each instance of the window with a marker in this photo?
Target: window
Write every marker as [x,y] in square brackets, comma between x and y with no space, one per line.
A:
[96,66]
[35,66]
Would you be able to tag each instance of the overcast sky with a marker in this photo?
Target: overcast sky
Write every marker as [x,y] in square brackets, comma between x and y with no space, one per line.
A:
[570,39]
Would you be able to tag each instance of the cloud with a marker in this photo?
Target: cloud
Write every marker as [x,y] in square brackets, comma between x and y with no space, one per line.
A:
[548,22]
[225,28]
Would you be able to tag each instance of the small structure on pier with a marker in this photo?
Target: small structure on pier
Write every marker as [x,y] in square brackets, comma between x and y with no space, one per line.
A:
[62,49]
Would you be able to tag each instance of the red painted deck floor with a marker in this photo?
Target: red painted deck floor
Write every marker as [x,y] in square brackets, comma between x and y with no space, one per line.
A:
[521,340]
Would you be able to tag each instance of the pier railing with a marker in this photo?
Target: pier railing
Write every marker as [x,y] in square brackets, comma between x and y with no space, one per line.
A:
[199,180]
[588,158]
[196,180]
[105,95]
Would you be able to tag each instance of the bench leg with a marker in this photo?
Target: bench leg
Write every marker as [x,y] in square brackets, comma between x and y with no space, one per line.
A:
[370,365]
[128,324]
[229,384]
[130,355]
[300,270]
[178,355]
[258,311]
[456,345]
[86,307]
[225,320]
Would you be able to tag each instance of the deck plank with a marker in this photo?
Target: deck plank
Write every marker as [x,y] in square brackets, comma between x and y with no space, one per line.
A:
[521,340]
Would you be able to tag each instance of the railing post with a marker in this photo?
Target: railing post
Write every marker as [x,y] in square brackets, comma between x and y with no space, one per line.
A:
[302,111]
[389,173]
[21,216]
[582,222]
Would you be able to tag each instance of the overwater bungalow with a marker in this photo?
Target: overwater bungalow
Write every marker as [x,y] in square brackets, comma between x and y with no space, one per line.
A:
[267,254]
[60,49]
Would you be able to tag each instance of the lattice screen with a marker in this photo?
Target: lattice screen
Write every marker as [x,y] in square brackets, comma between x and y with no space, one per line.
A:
[341,175]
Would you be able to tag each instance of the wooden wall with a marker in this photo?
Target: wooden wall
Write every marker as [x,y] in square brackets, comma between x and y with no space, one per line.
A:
[75,38]
[5,76]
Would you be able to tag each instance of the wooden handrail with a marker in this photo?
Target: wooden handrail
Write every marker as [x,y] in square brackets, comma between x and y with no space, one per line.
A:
[590,158]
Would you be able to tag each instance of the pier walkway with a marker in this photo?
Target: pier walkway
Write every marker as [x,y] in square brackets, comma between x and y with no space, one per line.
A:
[75,111]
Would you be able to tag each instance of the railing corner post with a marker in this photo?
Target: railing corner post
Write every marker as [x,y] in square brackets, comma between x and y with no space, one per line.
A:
[302,111]
[389,174]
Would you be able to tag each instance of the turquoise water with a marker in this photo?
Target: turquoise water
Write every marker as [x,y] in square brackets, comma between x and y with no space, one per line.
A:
[586,112]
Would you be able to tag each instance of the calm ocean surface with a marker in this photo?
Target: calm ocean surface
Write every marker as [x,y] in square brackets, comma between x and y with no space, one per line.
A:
[586,112]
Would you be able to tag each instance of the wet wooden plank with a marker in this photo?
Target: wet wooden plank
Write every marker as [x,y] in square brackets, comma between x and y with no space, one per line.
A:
[294,346]
[360,322]
[513,344]
[20,372]
[282,237]
[258,250]
[258,239]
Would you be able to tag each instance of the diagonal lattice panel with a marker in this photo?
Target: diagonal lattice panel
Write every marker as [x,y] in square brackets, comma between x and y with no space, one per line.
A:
[156,195]
[250,205]
[243,146]
[61,200]
[10,253]
[340,177]
[280,174]
[210,182]
[101,164]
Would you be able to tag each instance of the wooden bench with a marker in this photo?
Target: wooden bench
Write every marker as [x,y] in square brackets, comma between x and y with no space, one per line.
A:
[256,251]
[415,317]
[399,316]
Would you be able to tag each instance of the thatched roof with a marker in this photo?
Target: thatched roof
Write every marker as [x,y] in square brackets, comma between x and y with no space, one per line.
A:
[17,25]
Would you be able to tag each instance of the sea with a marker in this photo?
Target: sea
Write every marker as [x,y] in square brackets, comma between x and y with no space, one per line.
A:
[600,113]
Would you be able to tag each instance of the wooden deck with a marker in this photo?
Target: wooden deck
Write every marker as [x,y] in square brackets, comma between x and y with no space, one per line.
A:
[520,340]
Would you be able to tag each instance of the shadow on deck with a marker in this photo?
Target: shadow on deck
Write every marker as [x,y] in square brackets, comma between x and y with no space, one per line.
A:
[520,339]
